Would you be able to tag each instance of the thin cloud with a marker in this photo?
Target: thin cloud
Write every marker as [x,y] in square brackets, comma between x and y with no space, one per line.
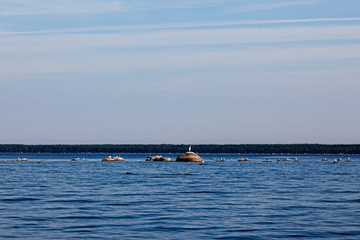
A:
[44,7]
[63,42]
[271,5]
[179,26]
[175,61]
[172,4]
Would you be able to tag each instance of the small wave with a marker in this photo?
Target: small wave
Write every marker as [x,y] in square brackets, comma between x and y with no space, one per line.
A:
[173,175]
[19,199]
[340,201]
[118,204]
[240,230]
[79,227]
[343,234]
[206,192]
[72,201]
[353,201]
[80,231]
[81,217]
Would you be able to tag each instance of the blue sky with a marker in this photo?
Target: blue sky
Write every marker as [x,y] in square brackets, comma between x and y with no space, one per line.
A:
[215,71]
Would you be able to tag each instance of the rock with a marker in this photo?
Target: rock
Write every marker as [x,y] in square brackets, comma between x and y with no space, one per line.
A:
[109,159]
[189,157]
[158,158]
[244,160]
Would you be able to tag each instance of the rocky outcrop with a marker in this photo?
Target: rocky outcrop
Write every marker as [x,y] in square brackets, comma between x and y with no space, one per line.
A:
[189,157]
[244,160]
[158,158]
[109,159]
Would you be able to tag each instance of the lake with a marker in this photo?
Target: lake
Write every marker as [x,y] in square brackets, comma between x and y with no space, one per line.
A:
[64,199]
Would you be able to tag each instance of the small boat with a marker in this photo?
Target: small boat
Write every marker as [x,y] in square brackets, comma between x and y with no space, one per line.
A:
[244,160]
[339,159]
[296,159]
[109,159]
[286,160]
[21,159]
[324,159]
[267,160]
[348,160]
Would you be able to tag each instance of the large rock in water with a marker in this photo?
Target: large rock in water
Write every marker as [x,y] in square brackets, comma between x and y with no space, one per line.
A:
[189,157]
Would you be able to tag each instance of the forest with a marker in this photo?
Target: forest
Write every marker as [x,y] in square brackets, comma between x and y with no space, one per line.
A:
[179,148]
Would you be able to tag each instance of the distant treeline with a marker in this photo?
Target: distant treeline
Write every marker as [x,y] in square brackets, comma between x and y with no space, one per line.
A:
[173,148]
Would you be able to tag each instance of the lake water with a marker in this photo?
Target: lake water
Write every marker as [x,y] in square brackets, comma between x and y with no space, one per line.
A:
[63,199]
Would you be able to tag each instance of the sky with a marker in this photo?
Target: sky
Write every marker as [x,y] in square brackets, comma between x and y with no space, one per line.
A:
[189,72]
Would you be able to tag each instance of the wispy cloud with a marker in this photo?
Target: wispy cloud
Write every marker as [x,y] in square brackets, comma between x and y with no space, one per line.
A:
[140,5]
[180,26]
[270,5]
[59,42]
[106,63]
[44,7]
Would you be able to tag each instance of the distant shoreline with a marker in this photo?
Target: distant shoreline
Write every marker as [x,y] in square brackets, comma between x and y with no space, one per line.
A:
[180,148]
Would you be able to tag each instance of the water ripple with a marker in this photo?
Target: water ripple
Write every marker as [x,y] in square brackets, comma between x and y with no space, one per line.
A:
[61,199]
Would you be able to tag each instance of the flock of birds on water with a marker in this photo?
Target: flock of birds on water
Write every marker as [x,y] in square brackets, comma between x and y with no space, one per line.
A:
[281,160]
[160,158]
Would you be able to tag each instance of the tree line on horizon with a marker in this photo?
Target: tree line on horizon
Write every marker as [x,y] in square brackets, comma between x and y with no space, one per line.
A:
[179,148]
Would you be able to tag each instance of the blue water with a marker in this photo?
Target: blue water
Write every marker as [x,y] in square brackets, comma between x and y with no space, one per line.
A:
[61,199]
